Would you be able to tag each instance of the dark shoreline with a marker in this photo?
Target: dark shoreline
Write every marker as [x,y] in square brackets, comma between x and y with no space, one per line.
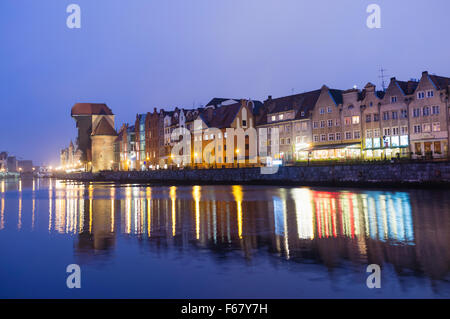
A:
[399,175]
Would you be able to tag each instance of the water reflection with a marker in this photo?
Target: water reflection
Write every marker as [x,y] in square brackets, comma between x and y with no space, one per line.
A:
[407,229]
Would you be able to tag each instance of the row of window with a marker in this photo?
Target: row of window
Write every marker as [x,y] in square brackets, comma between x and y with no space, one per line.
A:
[427,127]
[426,111]
[329,110]
[394,115]
[337,136]
[282,117]
[421,94]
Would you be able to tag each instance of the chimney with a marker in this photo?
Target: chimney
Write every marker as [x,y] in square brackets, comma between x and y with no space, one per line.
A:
[393,79]
[155,111]
[425,73]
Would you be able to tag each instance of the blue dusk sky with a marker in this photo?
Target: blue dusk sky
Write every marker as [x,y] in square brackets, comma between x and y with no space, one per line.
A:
[140,54]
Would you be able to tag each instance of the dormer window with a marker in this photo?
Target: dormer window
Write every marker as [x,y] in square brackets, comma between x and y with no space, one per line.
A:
[420,95]
[393,99]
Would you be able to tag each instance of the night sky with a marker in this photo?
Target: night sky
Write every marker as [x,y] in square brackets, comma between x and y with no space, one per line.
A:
[140,54]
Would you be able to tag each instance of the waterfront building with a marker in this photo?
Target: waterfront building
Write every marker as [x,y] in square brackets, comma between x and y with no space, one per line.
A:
[394,119]
[292,116]
[103,137]
[131,148]
[336,127]
[70,157]
[428,117]
[141,155]
[154,139]
[11,164]
[210,144]
[370,101]
[3,161]
[25,166]
[87,117]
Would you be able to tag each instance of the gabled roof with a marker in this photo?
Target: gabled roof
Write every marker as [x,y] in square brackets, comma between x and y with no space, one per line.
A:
[440,82]
[104,128]
[301,103]
[91,109]
[407,87]
[336,95]
[220,117]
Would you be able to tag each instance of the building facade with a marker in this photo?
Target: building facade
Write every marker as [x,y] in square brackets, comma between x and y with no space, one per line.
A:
[428,117]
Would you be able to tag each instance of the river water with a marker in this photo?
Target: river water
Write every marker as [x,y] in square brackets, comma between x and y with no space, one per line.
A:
[147,241]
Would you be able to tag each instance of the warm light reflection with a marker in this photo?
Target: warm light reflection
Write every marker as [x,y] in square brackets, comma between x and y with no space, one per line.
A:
[173,196]
[149,213]
[196,195]
[304,212]
[237,193]
[297,216]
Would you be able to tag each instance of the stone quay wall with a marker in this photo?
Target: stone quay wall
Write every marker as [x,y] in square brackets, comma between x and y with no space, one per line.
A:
[390,174]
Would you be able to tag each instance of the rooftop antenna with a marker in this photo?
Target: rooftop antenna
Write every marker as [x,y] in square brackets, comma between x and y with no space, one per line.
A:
[383,76]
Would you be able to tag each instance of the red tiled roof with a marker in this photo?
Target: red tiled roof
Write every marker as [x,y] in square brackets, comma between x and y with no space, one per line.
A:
[91,109]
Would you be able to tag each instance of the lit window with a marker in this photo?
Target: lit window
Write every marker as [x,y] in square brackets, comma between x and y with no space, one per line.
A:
[273,118]
[395,140]
[280,116]
[355,119]
[436,127]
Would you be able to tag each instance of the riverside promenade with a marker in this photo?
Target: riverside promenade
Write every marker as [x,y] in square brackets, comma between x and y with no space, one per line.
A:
[373,174]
